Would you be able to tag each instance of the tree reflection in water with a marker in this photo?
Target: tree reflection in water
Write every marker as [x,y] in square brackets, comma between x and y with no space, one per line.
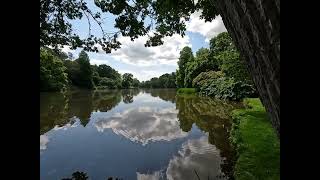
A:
[58,109]
[128,94]
[211,116]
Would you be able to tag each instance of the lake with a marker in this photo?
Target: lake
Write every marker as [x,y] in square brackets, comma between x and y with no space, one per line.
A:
[134,134]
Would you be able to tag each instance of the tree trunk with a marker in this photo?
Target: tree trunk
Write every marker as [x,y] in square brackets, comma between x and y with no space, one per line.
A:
[254,26]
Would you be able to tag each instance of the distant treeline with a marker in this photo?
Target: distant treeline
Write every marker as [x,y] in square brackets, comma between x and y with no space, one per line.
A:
[164,81]
[58,72]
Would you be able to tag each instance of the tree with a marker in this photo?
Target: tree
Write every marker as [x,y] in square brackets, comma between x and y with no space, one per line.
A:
[109,74]
[255,29]
[73,71]
[127,80]
[52,72]
[85,75]
[105,71]
[202,62]
[253,25]
[135,82]
[228,57]
[185,57]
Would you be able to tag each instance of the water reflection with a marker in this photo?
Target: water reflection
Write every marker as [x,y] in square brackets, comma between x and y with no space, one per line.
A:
[57,109]
[144,124]
[158,134]
[43,142]
[196,158]
[211,116]
[164,94]
[128,94]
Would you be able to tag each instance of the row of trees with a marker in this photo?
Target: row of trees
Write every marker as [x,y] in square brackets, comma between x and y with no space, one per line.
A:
[58,72]
[164,81]
[218,71]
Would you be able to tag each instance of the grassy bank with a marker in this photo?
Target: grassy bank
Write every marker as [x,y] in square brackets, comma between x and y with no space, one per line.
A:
[186,91]
[256,143]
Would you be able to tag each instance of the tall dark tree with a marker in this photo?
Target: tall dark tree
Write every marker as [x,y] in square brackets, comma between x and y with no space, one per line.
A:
[85,74]
[185,57]
[255,28]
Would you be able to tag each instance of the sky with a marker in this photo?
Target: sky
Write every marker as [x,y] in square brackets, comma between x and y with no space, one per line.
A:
[147,62]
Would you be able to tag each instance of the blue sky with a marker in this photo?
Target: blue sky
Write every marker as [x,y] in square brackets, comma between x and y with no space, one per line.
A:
[143,62]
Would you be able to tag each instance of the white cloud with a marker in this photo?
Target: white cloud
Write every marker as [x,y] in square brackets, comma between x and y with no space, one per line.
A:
[98,61]
[135,53]
[207,29]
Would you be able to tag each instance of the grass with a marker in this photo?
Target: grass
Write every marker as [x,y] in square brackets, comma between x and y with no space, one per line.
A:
[256,143]
[186,91]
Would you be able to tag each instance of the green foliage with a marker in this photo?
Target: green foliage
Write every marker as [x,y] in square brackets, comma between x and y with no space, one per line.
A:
[95,75]
[108,83]
[228,58]
[186,91]
[109,77]
[135,82]
[84,78]
[203,62]
[186,56]
[127,80]
[107,71]
[256,143]
[56,29]
[217,85]
[218,71]
[132,20]
[52,72]
[179,79]
[164,81]
[203,79]
[222,42]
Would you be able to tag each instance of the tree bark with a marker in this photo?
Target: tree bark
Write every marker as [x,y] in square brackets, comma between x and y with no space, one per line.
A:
[254,26]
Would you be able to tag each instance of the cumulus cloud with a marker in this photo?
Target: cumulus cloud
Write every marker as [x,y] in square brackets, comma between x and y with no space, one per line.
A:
[144,124]
[195,155]
[207,29]
[134,52]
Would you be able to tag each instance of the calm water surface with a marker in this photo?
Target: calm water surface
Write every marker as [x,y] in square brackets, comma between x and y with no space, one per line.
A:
[134,134]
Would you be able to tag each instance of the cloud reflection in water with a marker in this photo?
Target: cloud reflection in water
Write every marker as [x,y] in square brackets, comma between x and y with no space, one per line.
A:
[144,124]
[196,155]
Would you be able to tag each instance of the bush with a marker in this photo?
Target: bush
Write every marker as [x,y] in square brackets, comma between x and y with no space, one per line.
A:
[215,84]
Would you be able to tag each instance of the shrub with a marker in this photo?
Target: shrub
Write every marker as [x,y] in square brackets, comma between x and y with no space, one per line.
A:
[215,84]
